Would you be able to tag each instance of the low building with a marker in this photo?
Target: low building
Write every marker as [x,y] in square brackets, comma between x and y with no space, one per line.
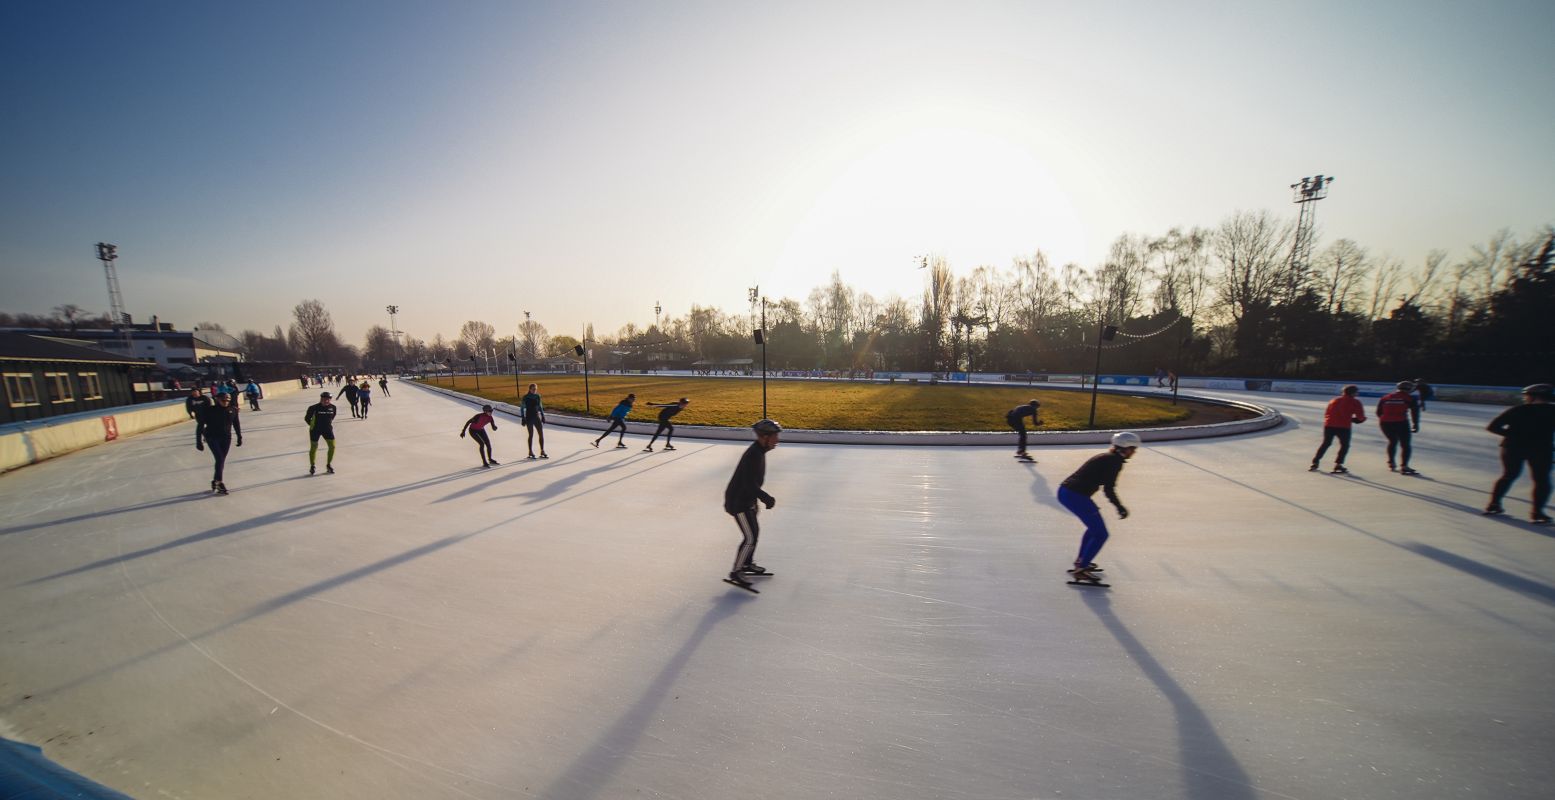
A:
[49,376]
[208,353]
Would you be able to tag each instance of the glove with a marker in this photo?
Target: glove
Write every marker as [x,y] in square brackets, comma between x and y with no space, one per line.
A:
[1415,429]
[461,434]
[199,446]
[770,502]
[240,441]
[1122,512]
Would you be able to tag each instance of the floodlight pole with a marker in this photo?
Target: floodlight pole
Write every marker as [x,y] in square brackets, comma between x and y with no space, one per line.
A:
[1101,332]
[513,362]
[399,355]
[761,337]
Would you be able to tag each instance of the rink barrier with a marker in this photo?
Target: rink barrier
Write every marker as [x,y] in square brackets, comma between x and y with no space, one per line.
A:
[1264,418]
[31,441]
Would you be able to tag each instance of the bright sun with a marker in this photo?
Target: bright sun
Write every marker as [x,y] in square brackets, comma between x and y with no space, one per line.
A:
[973,198]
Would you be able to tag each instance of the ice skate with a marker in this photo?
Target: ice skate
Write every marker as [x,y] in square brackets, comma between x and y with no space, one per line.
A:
[221,488]
[1493,510]
[329,469]
[669,447]
[648,449]
[1339,470]
[1540,518]
[1409,471]
[736,579]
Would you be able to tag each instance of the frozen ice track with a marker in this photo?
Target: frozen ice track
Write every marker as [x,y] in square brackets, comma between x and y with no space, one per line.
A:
[418,627]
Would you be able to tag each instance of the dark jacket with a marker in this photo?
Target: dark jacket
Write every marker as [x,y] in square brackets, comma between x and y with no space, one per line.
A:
[744,487]
[1528,428]
[216,423]
[1100,472]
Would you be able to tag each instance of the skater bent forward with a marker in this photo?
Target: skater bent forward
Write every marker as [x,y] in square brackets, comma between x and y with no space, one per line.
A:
[475,425]
[1017,420]
[669,411]
[1527,434]
[1100,472]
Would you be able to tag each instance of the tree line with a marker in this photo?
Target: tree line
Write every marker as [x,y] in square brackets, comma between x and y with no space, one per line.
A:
[1224,300]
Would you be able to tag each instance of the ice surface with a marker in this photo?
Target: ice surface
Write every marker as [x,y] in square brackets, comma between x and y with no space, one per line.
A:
[418,627]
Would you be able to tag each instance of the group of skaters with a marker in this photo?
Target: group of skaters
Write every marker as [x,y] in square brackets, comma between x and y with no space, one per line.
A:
[1526,432]
[218,428]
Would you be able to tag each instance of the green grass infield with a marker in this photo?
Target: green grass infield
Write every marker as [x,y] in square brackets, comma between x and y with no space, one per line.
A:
[837,405]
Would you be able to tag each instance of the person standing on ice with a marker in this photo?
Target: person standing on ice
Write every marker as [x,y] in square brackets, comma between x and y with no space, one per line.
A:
[1399,415]
[740,498]
[1527,434]
[1099,472]
[1342,411]
[321,424]
[533,413]
[475,426]
[215,427]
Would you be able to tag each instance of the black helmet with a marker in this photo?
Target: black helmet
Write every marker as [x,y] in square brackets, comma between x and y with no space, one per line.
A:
[323,395]
[1404,386]
[767,426]
[486,409]
[1539,390]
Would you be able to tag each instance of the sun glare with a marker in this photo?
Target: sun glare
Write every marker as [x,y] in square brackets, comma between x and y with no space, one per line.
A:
[973,198]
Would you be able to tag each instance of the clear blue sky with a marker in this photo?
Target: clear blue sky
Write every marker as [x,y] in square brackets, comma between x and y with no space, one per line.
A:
[583,160]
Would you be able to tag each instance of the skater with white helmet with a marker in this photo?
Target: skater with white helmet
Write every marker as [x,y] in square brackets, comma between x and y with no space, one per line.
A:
[1098,472]
[741,496]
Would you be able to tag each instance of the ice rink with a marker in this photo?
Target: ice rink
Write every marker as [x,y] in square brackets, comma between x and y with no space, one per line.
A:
[418,627]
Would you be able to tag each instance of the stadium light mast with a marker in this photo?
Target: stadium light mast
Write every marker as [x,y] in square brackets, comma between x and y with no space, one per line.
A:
[399,355]
[1306,194]
[109,253]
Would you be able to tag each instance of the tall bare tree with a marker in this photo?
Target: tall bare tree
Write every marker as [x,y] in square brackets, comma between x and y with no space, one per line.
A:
[312,336]
[1251,248]
[1340,270]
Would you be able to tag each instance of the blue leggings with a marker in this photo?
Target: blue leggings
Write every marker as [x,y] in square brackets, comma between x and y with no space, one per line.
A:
[1095,529]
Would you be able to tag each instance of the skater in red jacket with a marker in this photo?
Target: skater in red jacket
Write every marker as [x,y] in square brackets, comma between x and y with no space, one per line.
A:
[1341,413]
[1399,415]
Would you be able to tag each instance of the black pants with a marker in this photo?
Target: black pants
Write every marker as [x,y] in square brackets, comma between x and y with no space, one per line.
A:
[750,531]
[218,448]
[614,424]
[1398,439]
[1512,459]
[663,426]
[483,442]
[1329,435]
[385,387]
[1020,427]
[354,412]
[532,427]
[364,404]
[253,402]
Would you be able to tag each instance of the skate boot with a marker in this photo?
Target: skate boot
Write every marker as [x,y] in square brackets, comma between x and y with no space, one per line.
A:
[1539,518]
[330,469]
[312,469]
[1409,471]
[530,457]
[1340,470]
[648,449]
[221,488]
[595,443]
[739,580]
[1493,510]
[669,447]
[620,445]
[496,463]
[1312,467]
[754,569]
[543,455]
[213,486]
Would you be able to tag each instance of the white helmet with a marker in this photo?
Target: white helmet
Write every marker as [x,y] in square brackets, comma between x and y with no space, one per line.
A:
[1125,439]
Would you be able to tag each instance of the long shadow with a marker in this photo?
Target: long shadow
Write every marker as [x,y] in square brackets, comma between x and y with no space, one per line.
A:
[590,772]
[285,515]
[561,485]
[317,587]
[1210,770]
[506,476]
[1487,573]
[1455,506]
[1500,577]
[166,501]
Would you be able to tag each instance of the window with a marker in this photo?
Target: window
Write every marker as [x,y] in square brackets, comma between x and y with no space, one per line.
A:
[91,389]
[20,390]
[59,386]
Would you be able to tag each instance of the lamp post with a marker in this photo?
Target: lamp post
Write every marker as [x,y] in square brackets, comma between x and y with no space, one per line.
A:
[513,362]
[475,369]
[1105,334]
[761,339]
[583,351]
[399,355]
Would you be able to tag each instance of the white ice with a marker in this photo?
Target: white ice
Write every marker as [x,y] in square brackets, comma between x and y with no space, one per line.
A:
[417,627]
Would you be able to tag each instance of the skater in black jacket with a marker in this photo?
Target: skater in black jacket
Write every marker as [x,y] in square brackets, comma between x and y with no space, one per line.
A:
[1100,472]
[668,412]
[321,425]
[350,392]
[194,402]
[216,425]
[1527,434]
[740,498]
[1017,419]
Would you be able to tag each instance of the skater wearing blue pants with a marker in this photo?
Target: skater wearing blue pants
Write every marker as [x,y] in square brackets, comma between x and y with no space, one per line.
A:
[1099,472]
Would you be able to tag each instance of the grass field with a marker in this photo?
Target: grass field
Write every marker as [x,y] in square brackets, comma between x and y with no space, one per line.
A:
[829,405]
